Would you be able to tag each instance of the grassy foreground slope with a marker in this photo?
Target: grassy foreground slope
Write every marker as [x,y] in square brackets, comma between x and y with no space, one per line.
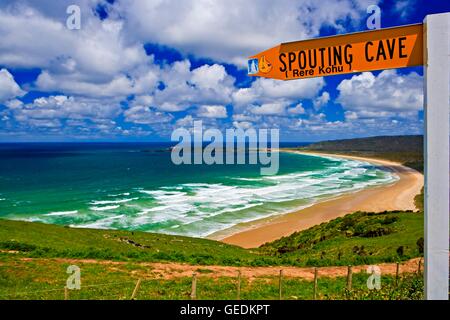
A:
[43,278]
[34,258]
[357,238]
[45,240]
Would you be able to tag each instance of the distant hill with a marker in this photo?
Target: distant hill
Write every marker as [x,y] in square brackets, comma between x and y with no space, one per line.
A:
[404,149]
[372,144]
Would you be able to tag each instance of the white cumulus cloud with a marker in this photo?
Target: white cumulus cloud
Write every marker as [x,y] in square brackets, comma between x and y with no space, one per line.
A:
[388,94]
[212,111]
[230,31]
[9,89]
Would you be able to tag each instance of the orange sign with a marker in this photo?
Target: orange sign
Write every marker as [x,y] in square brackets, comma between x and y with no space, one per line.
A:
[363,51]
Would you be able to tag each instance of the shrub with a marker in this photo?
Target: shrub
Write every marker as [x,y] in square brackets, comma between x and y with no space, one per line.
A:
[420,244]
[360,251]
[18,246]
[410,287]
[376,232]
[389,220]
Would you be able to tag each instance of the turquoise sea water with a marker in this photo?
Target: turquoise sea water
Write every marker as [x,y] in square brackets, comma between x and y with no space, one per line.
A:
[136,187]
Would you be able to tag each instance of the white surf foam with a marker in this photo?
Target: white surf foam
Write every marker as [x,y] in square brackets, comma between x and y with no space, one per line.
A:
[104,208]
[105,223]
[102,202]
[119,194]
[62,213]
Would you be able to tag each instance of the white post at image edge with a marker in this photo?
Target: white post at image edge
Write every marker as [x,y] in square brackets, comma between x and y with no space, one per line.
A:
[436,138]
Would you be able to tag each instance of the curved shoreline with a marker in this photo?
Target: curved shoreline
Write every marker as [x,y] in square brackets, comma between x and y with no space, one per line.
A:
[395,196]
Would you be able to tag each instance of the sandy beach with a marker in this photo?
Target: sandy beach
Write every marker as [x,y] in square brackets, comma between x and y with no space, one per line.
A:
[395,196]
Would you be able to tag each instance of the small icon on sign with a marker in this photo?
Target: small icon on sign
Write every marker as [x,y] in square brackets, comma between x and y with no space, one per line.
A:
[253,66]
[264,65]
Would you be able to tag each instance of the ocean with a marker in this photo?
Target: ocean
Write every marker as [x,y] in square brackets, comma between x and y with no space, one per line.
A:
[135,186]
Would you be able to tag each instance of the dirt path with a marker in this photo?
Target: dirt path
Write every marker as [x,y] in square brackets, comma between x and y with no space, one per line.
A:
[177,270]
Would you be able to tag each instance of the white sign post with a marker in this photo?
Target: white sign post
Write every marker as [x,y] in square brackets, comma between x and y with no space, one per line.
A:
[436,106]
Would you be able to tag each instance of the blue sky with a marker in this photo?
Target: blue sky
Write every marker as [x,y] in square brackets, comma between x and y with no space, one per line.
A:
[136,71]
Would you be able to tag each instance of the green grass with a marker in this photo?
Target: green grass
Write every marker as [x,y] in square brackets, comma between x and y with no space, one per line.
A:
[41,279]
[359,238]
[45,240]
